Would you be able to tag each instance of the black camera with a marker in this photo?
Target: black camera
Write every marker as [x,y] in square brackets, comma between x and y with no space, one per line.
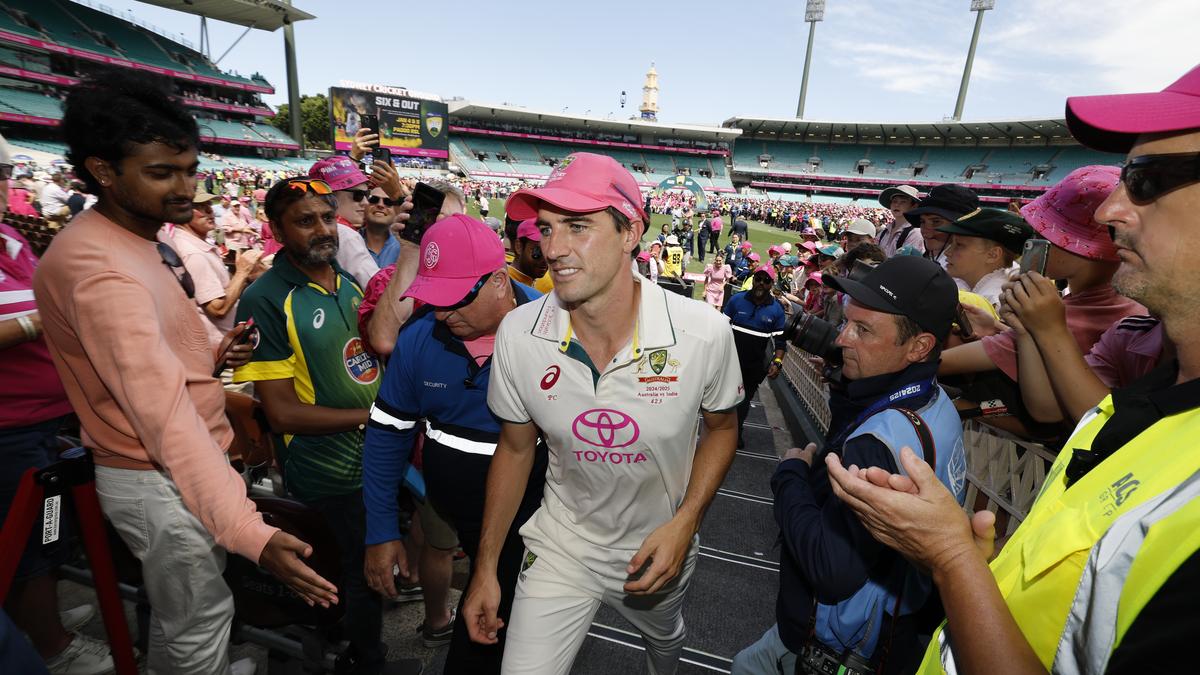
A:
[815,336]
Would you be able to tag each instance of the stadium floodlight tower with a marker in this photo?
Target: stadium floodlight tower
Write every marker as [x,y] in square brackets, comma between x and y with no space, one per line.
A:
[268,15]
[813,12]
[979,7]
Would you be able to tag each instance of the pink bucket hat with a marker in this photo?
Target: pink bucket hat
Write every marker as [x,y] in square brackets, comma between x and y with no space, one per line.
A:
[455,252]
[339,171]
[1112,123]
[583,182]
[1064,214]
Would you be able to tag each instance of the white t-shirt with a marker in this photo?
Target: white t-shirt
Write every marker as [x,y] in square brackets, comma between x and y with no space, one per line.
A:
[622,441]
[990,285]
[53,199]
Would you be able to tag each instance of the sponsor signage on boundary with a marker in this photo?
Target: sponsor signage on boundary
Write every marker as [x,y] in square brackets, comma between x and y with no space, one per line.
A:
[125,63]
[23,74]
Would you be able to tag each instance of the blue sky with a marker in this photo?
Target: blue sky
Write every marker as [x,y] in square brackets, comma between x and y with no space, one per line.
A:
[874,60]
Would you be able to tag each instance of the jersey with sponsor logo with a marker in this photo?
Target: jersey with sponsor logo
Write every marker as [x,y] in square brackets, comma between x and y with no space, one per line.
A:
[303,332]
[621,435]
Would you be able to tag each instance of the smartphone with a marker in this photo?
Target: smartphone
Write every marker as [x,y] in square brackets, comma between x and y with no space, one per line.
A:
[369,122]
[427,204]
[382,154]
[1033,258]
[241,340]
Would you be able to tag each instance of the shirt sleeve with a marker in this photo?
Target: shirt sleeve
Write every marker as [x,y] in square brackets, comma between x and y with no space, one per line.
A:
[828,542]
[504,399]
[372,293]
[723,388]
[388,444]
[273,357]
[149,383]
[1104,358]
[354,256]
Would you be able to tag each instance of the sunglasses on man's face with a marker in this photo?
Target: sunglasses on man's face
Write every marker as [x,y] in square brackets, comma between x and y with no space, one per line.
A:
[356,195]
[374,199]
[1149,177]
[171,259]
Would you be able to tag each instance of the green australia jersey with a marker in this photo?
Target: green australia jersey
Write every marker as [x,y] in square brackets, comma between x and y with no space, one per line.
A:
[303,332]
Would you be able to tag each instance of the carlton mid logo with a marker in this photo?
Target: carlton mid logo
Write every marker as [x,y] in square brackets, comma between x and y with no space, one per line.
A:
[605,428]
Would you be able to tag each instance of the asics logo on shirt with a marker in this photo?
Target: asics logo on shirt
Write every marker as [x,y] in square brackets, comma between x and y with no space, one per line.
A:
[318,318]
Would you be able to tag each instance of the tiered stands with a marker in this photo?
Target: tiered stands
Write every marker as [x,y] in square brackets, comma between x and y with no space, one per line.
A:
[30,103]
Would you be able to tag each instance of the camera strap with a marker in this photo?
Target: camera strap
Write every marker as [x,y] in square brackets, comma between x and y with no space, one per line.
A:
[911,390]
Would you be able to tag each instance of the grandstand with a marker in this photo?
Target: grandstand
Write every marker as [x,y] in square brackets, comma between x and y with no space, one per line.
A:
[1000,160]
[509,142]
[47,45]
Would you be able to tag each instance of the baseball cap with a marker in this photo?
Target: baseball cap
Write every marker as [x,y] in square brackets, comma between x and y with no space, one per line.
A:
[455,252]
[1112,123]
[948,201]
[832,250]
[583,182]
[747,245]
[528,229]
[775,249]
[808,232]
[789,260]
[768,270]
[885,197]
[754,256]
[999,225]
[341,172]
[861,226]
[1065,214]
[672,240]
[909,286]
[203,197]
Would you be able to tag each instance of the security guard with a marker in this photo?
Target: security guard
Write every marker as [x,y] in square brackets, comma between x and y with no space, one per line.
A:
[756,319]
[1104,572]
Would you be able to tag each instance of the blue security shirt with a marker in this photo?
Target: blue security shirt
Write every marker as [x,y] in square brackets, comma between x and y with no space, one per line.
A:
[434,386]
[753,325]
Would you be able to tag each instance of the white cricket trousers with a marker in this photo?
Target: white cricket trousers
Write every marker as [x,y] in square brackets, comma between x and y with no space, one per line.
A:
[556,598]
[191,607]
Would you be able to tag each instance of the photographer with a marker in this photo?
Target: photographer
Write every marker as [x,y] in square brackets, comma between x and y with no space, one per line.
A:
[835,580]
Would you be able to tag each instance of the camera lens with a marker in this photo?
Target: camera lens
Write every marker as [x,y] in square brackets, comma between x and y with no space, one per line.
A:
[815,336]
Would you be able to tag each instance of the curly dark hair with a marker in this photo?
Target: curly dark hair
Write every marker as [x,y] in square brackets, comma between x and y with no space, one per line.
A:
[106,115]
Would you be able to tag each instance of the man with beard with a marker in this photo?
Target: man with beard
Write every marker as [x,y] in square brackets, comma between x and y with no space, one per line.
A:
[756,319]
[137,365]
[317,383]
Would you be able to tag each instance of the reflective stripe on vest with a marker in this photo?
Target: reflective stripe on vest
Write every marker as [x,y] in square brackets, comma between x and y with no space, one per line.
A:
[1040,567]
[1092,627]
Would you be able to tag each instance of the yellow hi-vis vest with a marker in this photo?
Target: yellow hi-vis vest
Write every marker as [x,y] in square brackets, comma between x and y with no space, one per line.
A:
[1087,559]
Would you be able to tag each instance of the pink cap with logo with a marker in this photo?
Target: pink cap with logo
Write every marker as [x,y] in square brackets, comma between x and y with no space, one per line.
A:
[528,229]
[455,252]
[1065,214]
[341,172]
[768,270]
[583,182]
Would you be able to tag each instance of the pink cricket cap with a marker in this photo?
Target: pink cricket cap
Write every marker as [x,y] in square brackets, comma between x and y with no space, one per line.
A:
[814,276]
[339,171]
[755,257]
[747,245]
[455,252]
[1112,123]
[1065,214]
[644,256]
[583,182]
[774,249]
[769,270]
[811,246]
[528,229]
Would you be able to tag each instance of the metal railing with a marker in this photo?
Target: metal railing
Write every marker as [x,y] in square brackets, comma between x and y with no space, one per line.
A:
[1004,473]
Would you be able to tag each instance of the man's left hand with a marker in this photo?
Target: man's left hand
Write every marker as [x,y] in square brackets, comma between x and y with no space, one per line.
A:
[664,550]
[806,454]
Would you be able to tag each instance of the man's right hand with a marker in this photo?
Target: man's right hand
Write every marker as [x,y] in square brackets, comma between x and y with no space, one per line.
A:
[364,139]
[481,607]
[381,559]
[246,260]
[282,557]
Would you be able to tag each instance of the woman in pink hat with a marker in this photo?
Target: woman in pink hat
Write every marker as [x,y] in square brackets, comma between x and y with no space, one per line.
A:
[716,275]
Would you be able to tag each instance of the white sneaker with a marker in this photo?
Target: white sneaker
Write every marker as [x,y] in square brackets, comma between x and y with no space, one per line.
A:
[74,619]
[245,666]
[84,656]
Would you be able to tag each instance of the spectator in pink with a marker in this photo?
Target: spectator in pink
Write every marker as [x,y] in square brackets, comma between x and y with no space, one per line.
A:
[715,225]
[716,275]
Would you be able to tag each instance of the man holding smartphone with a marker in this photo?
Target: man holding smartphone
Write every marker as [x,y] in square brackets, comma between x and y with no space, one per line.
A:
[351,188]
[611,371]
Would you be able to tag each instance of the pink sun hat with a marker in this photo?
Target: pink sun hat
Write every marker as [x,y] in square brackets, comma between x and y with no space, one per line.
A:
[339,171]
[1112,123]
[583,182]
[455,253]
[1065,214]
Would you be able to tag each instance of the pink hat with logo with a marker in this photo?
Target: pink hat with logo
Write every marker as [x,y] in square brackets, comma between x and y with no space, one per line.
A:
[528,229]
[1112,123]
[455,253]
[1065,214]
[768,270]
[583,182]
[339,171]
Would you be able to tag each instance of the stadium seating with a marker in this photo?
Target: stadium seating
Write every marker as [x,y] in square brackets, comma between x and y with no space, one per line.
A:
[662,165]
[30,103]
[1069,158]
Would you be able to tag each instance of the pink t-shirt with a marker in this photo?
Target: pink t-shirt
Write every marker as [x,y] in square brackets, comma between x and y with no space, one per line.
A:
[1089,314]
[716,224]
[1127,350]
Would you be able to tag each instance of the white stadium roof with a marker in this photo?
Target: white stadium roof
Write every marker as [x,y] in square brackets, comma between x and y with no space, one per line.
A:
[1000,132]
[265,15]
[519,115]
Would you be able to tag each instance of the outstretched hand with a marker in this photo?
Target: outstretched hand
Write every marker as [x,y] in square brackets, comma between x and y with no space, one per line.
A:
[284,556]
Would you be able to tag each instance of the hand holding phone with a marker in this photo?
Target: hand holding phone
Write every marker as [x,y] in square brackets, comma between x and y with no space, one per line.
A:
[1034,256]
[242,338]
[427,204]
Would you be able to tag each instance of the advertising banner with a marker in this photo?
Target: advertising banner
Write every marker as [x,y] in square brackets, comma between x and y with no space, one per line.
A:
[408,125]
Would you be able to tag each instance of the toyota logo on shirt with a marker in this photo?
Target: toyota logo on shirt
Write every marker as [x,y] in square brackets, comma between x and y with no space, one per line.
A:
[605,428]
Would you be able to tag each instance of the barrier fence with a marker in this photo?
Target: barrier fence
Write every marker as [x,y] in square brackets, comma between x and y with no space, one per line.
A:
[1004,473]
